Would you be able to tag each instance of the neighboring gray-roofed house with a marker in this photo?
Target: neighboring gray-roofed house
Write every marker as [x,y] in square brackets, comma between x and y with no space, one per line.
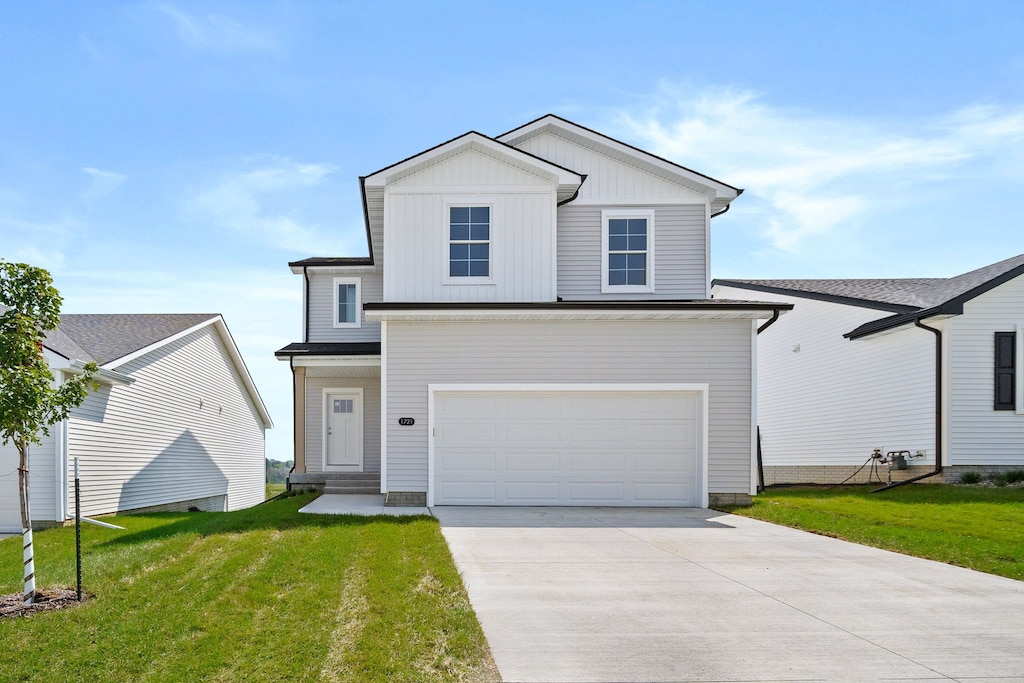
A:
[850,369]
[175,423]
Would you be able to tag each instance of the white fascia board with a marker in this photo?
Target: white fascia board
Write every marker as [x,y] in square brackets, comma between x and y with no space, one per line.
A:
[334,270]
[337,361]
[549,314]
[556,173]
[714,189]
[104,376]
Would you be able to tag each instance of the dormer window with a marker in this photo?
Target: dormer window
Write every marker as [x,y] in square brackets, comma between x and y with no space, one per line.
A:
[627,254]
[469,243]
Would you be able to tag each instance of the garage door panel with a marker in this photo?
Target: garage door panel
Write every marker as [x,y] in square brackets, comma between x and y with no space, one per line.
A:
[474,461]
[566,448]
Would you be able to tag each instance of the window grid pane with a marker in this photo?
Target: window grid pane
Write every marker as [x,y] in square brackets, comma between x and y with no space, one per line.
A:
[469,233]
[347,303]
[627,251]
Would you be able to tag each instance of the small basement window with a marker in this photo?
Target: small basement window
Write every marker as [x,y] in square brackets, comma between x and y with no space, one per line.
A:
[348,306]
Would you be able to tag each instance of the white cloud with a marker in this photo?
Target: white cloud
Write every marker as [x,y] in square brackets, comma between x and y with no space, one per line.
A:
[812,172]
[260,203]
[216,33]
[102,183]
[38,243]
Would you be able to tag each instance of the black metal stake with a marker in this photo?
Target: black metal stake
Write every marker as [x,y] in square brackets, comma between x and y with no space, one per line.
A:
[78,534]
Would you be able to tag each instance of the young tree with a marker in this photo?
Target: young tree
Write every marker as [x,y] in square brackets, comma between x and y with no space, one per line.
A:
[29,401]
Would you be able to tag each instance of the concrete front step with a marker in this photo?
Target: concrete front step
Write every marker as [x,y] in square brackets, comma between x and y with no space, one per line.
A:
[330,488]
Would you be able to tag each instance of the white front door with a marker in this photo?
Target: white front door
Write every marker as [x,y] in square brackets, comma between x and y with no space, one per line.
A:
[343,424]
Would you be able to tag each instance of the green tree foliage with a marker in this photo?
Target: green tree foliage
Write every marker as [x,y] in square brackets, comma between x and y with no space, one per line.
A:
[29,399]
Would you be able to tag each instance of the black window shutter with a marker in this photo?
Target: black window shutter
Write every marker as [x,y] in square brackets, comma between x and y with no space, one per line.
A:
[1005,391]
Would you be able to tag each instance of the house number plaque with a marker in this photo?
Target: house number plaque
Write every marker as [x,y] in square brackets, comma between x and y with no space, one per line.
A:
[406,421]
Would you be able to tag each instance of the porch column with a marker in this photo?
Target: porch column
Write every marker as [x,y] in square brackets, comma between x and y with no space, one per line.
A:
[299,418]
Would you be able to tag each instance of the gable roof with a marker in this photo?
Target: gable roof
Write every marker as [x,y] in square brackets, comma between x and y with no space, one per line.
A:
[113,339]
[718,192]
[909,299]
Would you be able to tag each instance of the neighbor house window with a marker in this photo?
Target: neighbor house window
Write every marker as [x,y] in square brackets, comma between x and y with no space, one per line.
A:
[627,256]
[469,242]
[347,303]
[1005,370]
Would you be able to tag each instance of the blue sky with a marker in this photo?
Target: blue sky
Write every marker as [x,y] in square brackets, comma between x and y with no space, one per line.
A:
[174,156]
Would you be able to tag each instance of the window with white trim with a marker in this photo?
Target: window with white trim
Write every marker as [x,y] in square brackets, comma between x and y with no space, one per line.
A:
[469,243]
[348,305]
[627,251]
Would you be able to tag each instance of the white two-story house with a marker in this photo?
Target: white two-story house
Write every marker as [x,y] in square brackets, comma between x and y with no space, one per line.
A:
[532,326]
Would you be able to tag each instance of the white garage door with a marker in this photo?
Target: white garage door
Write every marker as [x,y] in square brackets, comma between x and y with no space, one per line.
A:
[10,508]
[565,447]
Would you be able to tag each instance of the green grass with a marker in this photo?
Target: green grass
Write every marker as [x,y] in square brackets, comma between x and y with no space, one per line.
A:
[979,528]
[274,489]
[263,594]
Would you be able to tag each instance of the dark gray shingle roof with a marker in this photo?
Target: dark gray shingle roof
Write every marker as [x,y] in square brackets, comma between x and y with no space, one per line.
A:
[103,337]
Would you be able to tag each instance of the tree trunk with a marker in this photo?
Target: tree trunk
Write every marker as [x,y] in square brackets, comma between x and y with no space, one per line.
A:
[26,524]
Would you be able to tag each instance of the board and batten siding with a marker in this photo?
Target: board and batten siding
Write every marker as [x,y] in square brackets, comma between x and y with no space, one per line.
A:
[559,352]
[826,400]
[978,434]
[608,180]
[186,429]
[315,412]
[522,245]
[321,305]
[680,258]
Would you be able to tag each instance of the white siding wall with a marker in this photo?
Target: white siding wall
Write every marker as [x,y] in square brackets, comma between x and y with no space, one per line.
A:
[315,417]
[978,434]
[717,352]
[41,484]
[834,400]
[679,253]
[321,306]
[522,232]
[609,180]
[151,443]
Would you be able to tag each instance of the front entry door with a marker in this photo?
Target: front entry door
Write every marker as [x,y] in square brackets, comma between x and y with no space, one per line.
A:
[344,426]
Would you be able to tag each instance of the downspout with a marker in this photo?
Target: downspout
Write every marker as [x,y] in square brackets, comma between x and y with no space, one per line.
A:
[760,459]
[305,302]
[725,210]
[295,397]
[938,412]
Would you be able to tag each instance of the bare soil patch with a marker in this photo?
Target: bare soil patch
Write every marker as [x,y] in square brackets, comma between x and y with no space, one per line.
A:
[46,601]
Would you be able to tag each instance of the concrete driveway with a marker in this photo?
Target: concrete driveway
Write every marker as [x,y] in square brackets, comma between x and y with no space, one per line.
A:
[604,594]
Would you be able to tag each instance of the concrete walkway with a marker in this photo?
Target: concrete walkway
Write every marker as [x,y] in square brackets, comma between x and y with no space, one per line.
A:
[602,594]
[356,504]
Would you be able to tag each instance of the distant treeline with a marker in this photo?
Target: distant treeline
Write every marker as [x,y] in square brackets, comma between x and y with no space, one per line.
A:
[277,471]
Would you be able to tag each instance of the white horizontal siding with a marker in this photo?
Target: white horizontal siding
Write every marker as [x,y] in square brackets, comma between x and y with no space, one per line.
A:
[153,443]
[833,400]
[978,434]
[315,419]
[521,251]
[608,180]
[321,307]
[716,352]
[679,253]
[41,483]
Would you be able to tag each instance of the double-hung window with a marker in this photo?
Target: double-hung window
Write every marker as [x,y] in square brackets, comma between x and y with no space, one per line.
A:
[469,242]
[627,253]
[348,306]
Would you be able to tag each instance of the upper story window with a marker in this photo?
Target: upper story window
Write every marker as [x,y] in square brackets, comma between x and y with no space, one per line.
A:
[348,306]
[469,242]
[627,253]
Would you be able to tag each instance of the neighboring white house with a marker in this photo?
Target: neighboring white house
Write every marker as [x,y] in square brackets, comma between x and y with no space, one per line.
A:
[176,422]
[850,370]
[532,326]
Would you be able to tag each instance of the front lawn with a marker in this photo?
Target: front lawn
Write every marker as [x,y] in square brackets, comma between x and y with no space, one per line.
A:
[264,594]
[976,527]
